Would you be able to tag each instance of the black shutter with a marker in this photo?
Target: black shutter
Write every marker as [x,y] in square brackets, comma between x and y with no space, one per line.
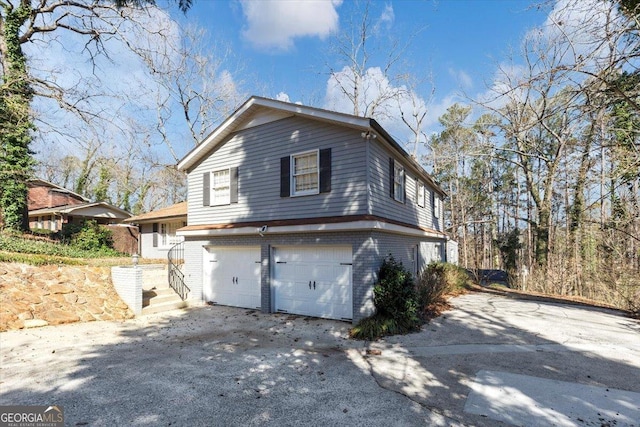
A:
[404,186]
[417,191]
[285,177]
[206,189]
[233,186]
[155,234]
[433,203]
[391,178]
[325,170]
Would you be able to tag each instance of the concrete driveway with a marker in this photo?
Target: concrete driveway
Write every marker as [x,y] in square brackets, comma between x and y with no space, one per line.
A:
[491,361]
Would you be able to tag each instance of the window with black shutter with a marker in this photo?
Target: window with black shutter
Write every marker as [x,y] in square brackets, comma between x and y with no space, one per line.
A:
[220,187]
[305,173]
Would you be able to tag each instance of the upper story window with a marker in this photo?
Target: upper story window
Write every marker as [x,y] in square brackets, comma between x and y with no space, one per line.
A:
[398,182]
[420,195]
[305,173]
[220,187]
[437,205]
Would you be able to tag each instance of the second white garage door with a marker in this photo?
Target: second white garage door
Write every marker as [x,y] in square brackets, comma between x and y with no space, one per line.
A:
[232,276]
[313,280]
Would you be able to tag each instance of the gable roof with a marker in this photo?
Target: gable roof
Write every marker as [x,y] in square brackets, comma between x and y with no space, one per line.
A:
[174,211]
[257,110]
[77,210]
[36,182]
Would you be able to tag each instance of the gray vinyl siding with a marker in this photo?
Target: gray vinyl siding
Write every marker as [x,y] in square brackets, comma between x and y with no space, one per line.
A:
[432,251]
[257,152]
[146,244]
[382,204]
[415,253]
[147,250]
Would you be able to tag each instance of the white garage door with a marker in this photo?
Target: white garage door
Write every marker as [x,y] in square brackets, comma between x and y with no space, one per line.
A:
[232,276]
[313,280]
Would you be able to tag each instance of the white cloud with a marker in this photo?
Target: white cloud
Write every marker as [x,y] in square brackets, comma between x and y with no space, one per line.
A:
[463,79]
[273,24]
[283,97]
[386,100]
[574,31]
[375,93]
[507,85]
[386,18]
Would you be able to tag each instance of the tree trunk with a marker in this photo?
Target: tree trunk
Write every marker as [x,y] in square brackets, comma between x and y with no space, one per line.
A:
[16,123]
[542,236]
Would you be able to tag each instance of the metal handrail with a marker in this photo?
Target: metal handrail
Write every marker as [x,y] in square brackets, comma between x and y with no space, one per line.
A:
[175,258]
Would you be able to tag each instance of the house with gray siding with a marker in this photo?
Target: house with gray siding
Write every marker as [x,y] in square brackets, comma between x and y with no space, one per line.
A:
[158,230]
[293,209]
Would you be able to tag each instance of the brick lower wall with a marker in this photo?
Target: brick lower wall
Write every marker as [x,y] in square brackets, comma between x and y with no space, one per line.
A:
[127,281]
[369,250]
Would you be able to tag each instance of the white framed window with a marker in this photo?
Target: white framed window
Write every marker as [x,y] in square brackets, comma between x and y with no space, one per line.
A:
[420,198]
[436,206]
[305,173]
[220,187]
[398,182]
[168,236]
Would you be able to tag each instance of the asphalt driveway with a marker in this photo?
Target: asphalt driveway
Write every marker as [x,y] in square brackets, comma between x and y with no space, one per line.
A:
[491,361]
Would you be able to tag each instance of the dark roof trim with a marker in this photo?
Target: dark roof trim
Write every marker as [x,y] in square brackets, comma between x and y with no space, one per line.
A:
[307,221]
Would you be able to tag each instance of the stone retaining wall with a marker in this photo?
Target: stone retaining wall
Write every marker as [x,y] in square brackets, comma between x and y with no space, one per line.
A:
[37,296]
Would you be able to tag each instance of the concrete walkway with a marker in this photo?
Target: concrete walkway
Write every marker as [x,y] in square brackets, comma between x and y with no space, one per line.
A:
[491,361]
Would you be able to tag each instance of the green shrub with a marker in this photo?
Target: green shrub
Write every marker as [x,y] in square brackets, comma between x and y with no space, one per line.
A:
[92,237]
[41,232]
[394,293]
[38,260]
[68,231]
[396,305]
[374,327]
[16,243]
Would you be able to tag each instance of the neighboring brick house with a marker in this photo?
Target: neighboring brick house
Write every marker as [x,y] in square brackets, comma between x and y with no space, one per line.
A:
[293,209]
[158,229]
[51,206]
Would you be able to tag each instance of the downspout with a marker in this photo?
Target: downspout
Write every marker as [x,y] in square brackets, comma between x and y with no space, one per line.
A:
[368,177]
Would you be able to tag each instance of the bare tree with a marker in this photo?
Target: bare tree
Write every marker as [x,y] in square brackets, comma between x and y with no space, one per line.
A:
[413,113]
[195,87]
[366,76]
[569,129]
[30,23]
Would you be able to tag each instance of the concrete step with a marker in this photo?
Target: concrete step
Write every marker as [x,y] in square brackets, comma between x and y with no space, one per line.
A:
[159,300]
[158,295]
[162,307]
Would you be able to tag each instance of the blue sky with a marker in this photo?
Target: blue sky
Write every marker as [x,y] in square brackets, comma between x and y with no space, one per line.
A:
[280,49]
[456,42]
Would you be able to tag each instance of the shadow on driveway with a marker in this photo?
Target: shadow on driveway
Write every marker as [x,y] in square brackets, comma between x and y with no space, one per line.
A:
[226,366]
